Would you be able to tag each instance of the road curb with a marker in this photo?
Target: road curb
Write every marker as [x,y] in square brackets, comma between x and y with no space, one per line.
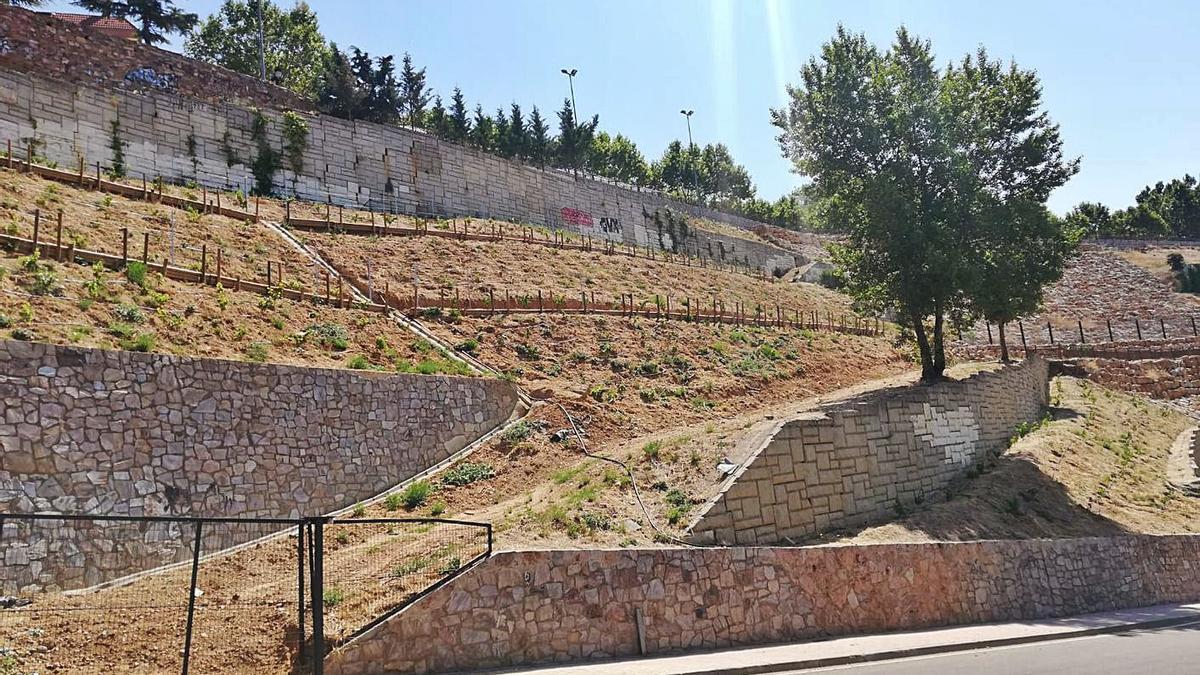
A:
[939,649]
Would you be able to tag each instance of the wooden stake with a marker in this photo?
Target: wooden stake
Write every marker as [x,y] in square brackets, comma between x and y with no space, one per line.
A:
[204,264]
[146,248]
[37,226]
[58,249]
[124,246]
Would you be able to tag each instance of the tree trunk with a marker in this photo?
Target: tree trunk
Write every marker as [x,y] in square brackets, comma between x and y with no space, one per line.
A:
[939,344]
[928,373]
[1003,345]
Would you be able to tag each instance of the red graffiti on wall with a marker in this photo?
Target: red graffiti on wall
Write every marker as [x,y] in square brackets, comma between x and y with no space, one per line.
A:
[575,217]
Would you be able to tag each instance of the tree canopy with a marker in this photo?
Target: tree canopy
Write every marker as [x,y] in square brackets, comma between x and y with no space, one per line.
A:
[937,177]
[293,45]
[154,19]
[1170,209]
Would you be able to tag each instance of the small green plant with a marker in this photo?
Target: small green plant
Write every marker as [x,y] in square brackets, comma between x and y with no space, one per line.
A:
[652,450]
[143,342]
[332,597]
[359,510]
[415,495]
[135,272]
[451,566]
[5,322]
[23,334]
[257,351]
[516,433]
[358,362]
[528,352]
[25,312]
[469,345]
[392,502]
[466,473]
[437,508]
[329,335]
[129,313]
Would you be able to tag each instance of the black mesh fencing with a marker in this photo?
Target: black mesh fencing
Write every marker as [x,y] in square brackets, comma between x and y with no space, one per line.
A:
[164,594]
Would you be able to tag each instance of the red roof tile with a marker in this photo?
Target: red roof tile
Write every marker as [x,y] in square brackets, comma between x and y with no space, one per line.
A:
[107,25]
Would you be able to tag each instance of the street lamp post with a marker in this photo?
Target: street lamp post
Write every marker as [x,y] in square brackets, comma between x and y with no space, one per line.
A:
[574,113]
[692,152]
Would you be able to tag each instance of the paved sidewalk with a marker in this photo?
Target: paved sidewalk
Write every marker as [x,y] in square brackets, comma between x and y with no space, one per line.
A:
[860,649]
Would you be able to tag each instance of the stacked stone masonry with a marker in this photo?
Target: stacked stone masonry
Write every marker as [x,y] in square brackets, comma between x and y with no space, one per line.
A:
[854,462]
[120,433]
[523,608]
[352,163]
[1164,379]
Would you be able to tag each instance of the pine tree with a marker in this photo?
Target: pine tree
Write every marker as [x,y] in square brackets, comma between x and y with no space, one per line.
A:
[483,132]
[460,126]
[337,91]
[413,93]
[518,141]
[573,139]
[538,137]
[437,121]
[501,145]
[385,102]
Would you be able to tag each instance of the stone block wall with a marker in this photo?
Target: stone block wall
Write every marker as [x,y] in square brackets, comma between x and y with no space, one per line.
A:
[851,463]
[121,433]
[1164,378]
[352,163]
[529,607]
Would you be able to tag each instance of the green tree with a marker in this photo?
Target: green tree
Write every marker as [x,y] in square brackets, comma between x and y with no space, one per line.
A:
[500,140]
[907,160]
[618,158]
[413,93]
[460,126]
[721,177]
[678,169]
[437,120]
[1091,218]
[539,138]
[483,130]
[292,40]
[517,139]
[338,93]
[574,139]
[154,19]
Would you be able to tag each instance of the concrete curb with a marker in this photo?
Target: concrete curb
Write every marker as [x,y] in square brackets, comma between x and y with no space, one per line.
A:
[940,649]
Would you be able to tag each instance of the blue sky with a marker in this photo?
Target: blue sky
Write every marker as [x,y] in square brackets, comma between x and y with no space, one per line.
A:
[1120,77]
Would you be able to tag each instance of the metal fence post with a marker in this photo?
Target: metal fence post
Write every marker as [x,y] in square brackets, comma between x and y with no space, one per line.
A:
[317,543]
[300,553]
[187,639]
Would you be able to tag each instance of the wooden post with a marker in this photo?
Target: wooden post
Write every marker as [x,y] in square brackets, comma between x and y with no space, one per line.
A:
[37,226]
[1138,326]
[257,200]
[1108,323]
[71,252]
[81,171]
[237,284]
[219,265]
[145,191]
[1050,330]
[204,198]
[268,273]
[124,246]
[29,157]
[1079,323]
[1021,327]
[341,291]
[541,306]
[1193,326]
[287,212]
[146,247]
[1163,325]
[492,302]
[97,175]
[9,154]
[327,293]
[58,249]
[204,264]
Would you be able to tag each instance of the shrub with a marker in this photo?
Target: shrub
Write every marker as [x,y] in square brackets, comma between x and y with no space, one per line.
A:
[392,502]
[222,297]
[359,511]
[135,272]
[415,495]
[333,596]
[121,330]
[144,342]
[452,565]
[129,313]
[437,508]
[5,322]
[257,351]
[25,312]
[1175,261]
[830,279]
[23,334]
[648,369]
[528,352]
[45,282]
[516,433]
[31,262]
[358,362]
[652,450]
[328,335]
[469,345]
[467,473]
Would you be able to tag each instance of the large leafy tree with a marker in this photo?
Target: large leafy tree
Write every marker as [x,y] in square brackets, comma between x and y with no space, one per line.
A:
[618,158]
[721,177]
[414,95]
[930,173]
[155,19]
[293,45]
[678,170]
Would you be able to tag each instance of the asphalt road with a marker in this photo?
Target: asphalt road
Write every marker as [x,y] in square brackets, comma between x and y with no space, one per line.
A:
[1158,651]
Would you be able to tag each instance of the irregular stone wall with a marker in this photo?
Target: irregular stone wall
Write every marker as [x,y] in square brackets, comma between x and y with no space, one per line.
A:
[1128,350]
[121,433]
[530,607]
[36,43]
[1165,379]
[854,462]
[352,163]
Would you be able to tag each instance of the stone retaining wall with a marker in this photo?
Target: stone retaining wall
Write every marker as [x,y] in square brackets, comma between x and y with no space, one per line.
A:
[122,433]
[531,607]
[352,163]
[854,462]
[1127,349]
[1165,379]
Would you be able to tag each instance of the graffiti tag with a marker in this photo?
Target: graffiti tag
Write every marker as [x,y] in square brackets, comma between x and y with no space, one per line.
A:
[148,77]
[575,217]
[610,225]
